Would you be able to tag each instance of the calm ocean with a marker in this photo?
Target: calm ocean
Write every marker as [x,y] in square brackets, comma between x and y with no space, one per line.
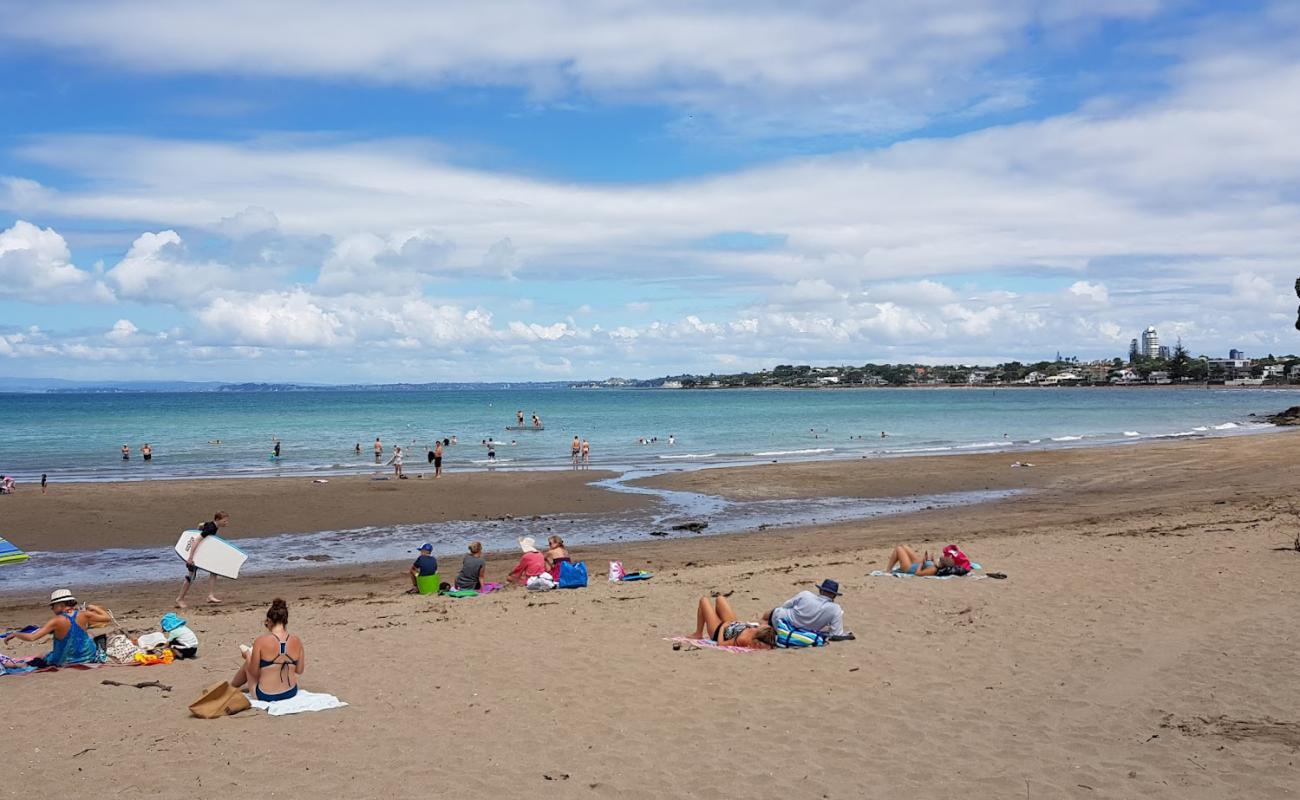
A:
[79,436]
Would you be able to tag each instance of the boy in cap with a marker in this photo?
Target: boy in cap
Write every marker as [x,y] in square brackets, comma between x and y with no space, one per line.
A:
[424,566]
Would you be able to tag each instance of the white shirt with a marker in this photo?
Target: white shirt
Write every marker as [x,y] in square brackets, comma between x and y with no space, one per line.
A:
[182,637]
[812,612]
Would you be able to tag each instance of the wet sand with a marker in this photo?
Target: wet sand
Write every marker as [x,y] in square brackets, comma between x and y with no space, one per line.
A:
[1140,647]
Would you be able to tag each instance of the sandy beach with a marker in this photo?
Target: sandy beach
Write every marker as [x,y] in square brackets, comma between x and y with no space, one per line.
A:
[1140,646]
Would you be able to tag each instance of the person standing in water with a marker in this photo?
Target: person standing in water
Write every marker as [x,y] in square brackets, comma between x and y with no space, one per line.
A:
[126,453]
[379,450]
[276,451]
[147,452]
[586,454]
[519,417]
[396,461]
[574,450]
[437,459]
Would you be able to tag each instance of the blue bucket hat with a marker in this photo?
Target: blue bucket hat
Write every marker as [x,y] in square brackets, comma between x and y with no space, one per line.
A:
[830,587]
[171,622]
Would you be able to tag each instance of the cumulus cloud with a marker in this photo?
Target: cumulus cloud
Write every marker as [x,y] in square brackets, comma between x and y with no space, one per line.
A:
[35,266]
[280,320]
[156,270]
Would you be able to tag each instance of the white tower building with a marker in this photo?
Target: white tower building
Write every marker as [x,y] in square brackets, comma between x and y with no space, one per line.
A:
[1150,342]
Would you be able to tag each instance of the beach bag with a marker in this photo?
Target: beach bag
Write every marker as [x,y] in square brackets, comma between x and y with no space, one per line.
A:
[120,649]
[959,558]
[218,700]
[789,636]
[541,583]
[573,576]
[615,571]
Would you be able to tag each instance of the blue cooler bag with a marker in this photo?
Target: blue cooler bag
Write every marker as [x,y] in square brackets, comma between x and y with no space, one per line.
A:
[573,576]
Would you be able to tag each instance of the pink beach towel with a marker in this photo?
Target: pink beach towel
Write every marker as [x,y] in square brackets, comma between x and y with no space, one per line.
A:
[709,643]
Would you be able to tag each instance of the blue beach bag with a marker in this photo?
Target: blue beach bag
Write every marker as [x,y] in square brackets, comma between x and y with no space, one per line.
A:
[573,576]
[788,636]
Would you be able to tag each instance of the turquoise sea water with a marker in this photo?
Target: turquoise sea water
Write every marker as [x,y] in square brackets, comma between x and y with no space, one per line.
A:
[79,436]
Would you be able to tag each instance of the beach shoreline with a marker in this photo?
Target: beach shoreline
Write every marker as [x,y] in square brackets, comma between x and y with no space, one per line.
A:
[1132,651]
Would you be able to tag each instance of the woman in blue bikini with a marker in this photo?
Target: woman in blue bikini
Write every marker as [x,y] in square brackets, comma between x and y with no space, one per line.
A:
[905,560]
[275,660]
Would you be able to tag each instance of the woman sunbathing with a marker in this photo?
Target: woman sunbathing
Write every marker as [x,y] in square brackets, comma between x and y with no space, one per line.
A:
[905,560]
[275,660]
[726,629]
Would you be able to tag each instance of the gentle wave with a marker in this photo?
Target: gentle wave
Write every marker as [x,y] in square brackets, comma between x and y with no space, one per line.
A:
[1066,438]
[1132,433]
[689,455]
[809,451]
[1227,426]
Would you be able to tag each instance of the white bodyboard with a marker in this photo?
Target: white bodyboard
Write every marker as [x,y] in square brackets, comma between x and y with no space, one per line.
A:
[216,555]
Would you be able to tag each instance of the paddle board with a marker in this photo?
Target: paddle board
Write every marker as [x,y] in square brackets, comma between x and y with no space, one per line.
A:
[9,554]
[216,555]
[525,427]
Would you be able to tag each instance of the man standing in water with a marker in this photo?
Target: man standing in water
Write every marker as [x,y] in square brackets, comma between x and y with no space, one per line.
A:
[519,417]
[437,459]
[379,450]
[207,529]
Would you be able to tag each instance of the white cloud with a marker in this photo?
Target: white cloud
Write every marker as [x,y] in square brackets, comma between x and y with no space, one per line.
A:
[155,269]
[281,320]
[765,67]
[35,266]
[1095,293]
[122,331]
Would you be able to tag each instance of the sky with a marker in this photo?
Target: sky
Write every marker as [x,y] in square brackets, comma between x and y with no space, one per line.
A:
[416,190]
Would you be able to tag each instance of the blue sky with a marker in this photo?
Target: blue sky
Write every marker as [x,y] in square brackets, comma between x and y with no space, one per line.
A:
[444,191]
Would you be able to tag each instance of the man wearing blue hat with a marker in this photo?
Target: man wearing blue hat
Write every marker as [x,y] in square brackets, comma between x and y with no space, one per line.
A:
[813,612]
[424,566]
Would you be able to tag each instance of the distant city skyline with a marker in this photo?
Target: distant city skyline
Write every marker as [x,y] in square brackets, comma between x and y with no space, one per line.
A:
[441,192]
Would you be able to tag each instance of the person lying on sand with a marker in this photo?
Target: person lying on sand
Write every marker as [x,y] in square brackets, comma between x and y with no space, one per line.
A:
[275,660]
[904,559]
[72,643]
[812,612]
[726,629]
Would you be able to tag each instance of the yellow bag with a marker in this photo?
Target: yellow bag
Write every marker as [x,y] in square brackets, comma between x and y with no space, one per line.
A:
[218,700]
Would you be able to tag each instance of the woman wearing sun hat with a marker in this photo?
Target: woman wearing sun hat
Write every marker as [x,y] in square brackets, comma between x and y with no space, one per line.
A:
[72,643]
[531,564]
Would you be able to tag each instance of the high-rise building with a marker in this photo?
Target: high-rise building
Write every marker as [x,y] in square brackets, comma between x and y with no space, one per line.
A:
[1150,342]
[1133,350]
[1164,352]
[1235,354]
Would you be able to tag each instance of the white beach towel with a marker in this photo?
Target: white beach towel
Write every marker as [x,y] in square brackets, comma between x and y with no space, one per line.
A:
[299,703]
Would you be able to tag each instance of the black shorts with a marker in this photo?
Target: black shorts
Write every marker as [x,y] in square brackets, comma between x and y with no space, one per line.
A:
[437,461]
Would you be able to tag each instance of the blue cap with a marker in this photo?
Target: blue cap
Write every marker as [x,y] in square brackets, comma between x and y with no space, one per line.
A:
[426,546]
[171,622]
